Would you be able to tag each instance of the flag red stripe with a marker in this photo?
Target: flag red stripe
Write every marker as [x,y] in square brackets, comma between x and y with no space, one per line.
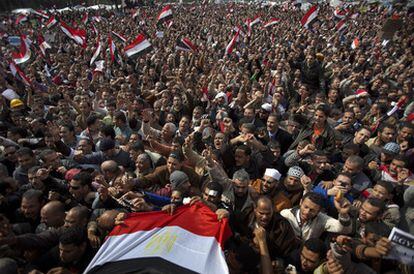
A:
[305,18]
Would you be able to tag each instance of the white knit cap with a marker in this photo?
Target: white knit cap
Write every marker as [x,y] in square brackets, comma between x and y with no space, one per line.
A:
[274,173]
[295,171]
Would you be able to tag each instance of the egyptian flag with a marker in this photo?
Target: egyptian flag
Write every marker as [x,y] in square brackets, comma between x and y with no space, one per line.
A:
[112,48]
[165,14]
[97,51]
[99,67]
[134,13]
[190,241]
[41,14]
[43,45]
[341,25]
[309,16]
[19,74]
[271,22]
[232,43]
[355,43]
[20,19]
[95,30]
[140,45]
[85,18]
[24,54]
[97,19]
[185,45]
[249,28]
[340,13]
[51,22]
[78,35]
[119,36]
[255,21]
[169,24]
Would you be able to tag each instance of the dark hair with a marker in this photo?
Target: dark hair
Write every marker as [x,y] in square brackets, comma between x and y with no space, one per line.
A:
[356,160]
[246,149]
[249,126]
[377,228]
[178,140]
[45,153]
[324,108]
[108,131]
[351,146]
[20,131]
[406,124]
[314,197]
[386,125]
[363,128]
[401,158]
[319,153]
[84,178]
[346,174]
[91,120]
[25,151]
[33,194]
[315,245]
[70,127]
[73,235]
[177,154]
[138,146]
[215,186]
[119,115]
[389,187]
[375,202]
[273,144]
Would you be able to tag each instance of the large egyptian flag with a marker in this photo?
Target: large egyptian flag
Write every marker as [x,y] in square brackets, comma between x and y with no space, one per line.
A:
[139,46]
[310,15]
[190,241]
[185,45]
[24,53]
[78,35]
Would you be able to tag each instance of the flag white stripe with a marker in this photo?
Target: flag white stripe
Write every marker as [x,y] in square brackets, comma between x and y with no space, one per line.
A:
[140,47]
[201,254]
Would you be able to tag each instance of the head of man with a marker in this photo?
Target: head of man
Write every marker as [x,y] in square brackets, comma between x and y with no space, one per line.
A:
[310,206]
[353,165]
[371,210]
[179,180]
[26,158]
[263,211]
[406,131]
[386,133]
[249,114]
[212,192]
[175,161]
[383,190]
[397,164]
[168,131]
[85,146]
[270,180]
[107,146]
[373,232]
[9,153]
[52,214]
[344,181]
[50,158]
[80,185]
[312,253]
[320,161]
[292,180]
[184,124]
[32,202]
[72,244]
[110,169]
[106,222]
[143,163]
[77,216]
[242,155]
[241,181]
[272,123]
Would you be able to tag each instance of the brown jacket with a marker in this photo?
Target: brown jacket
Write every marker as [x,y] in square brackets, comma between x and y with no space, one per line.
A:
[279,199]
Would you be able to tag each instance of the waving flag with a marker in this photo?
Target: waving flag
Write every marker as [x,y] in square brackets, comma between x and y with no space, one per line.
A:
[341,25]
[112,48]
[186,45]
[20,19]
[41,14]
[119,36]
[95,30]
[230,46]
[190,241]
[249,27]
[169,24]
[24,54]
[355,43]
[85,18]
[99,67]
[134,13]
[140,45]
[43,45]
[271,22]
[51,22]
[19,74]
[97,51]
[165,14]
[255,21]
[309,16]
[78,35]
[340,13]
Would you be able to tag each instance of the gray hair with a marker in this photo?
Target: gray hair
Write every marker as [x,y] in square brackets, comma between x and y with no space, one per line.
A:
[172,127]
[241,175]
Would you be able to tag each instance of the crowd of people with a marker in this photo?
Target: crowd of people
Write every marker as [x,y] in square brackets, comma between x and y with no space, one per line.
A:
[301,141]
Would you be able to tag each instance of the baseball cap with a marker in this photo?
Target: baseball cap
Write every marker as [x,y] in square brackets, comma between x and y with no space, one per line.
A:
[391,148]
[178,178]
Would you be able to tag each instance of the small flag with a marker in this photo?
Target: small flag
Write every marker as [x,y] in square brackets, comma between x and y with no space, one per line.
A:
[41,14]
[341,25]
[309,16]
[271,22]
[340,13]
[165,14]
[51,22]
[24,54]
[85,18]
[99,67]
[140,45]
[230,46]
[185,45]
[19,74]
[355,43]
[112,48]
[96,52]
[43,45]
[20,19]
[135,13]
[255,21]
[119,36]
